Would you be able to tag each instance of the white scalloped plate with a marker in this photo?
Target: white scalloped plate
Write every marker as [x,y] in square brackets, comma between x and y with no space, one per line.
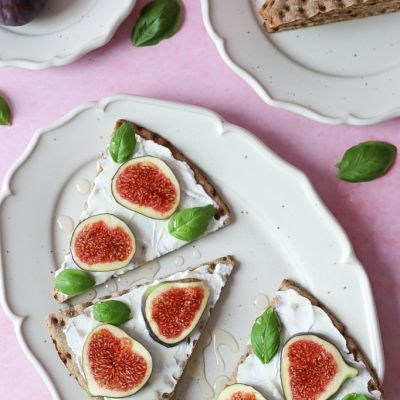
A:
[347,72]
[281,229]
[63,32]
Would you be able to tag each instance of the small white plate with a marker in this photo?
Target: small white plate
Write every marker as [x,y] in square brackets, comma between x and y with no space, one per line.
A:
[346,72]
[281,229]
[63,32]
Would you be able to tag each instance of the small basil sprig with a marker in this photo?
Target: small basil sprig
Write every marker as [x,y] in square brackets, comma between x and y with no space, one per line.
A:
[123,143]
[158,20]
[266,335]
[112,312]
[5,113]
[190,223]
[366,161]
[356,396]
[74,281]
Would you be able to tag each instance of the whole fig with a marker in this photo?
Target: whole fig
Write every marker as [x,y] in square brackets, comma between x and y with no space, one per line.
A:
[19,12]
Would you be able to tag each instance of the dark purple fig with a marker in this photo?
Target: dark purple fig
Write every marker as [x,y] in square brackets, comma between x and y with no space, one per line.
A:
[19,12]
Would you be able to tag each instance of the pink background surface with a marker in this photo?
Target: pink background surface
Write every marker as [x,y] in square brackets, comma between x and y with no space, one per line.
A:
[187,68]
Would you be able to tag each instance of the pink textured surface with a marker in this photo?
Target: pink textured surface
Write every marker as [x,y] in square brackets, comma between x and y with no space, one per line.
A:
[187,68]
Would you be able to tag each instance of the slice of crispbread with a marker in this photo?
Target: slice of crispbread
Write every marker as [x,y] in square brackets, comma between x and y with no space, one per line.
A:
[200,177]
[352,345]
[280,15]
[58,321]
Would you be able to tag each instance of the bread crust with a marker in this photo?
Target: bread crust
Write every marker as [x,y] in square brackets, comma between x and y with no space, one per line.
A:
[57,321]
[280,15]
[352,345]
[200,177]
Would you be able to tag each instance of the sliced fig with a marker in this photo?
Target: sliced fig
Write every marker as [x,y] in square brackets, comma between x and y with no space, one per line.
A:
[240,392]
[102,243]
[312,368]
[147,186]
[173,309]
[114,364]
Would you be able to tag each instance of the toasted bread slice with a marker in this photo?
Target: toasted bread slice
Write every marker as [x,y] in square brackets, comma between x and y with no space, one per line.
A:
[351,345]
[207,194]
[280,15]
[215,273]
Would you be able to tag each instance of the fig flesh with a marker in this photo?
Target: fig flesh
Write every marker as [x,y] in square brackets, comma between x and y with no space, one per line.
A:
[240,392]
[147,186]
[312,368]
[173,309]
[19,12]
[102,242]
[115,365]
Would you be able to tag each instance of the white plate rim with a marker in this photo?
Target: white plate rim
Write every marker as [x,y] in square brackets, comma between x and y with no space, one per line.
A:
[350,260]
[58,60]
[263,93]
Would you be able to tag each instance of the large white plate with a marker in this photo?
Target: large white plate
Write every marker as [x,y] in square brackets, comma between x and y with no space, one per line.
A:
[281,228]
[347,72]
[63,32]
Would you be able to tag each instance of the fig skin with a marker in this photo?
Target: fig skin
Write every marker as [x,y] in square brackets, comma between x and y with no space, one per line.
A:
[345,370]
[19,12]
[147,318]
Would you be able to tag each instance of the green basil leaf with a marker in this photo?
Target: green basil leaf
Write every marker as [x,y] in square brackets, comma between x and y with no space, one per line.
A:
[123,143]
[367,161]
[112,312]
[158,20]
[74,281]
[190,223]
[5,113]
[266,335]
[356,396]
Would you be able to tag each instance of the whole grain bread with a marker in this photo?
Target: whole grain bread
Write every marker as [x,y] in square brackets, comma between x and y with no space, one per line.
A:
[352,345]
[280,15]
[200,177]
[57,321]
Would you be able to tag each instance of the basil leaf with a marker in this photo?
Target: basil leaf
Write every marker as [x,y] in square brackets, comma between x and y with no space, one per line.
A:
[190,223]
[158,20]
[5,113]
[74,281]
[112,312]
[123,143]
[356,396]
[367,161]
[266,335]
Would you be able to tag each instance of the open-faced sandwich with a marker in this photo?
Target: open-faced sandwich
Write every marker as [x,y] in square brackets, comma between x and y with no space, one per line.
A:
[136,343]
[148,199]
[300,351]
[280,15]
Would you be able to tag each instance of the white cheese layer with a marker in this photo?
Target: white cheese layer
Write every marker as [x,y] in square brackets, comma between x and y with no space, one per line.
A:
[298,315]
[167,362]
[152,237]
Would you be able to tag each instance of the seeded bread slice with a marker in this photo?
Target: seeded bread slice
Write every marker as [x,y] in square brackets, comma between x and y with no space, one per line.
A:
[200,177]
[352,345]
[280,15]
[58,321]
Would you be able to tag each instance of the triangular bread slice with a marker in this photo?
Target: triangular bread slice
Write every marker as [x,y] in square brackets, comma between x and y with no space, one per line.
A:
[196,190]
[291,296]
[280,15]
[69,328]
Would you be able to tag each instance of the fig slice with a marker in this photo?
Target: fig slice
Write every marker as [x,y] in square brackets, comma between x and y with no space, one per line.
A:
[114,364]
[147,186]
[172,309]
[312,368]
[102,242]
[240,392]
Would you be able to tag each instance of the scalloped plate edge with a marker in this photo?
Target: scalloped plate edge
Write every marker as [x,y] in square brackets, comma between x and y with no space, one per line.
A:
[58,61]
[350,258]
[262,92]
